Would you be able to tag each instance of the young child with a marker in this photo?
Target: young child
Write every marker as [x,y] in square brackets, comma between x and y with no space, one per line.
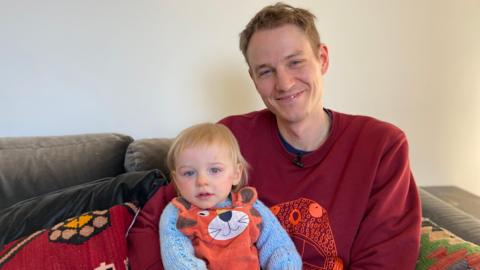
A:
[217,222]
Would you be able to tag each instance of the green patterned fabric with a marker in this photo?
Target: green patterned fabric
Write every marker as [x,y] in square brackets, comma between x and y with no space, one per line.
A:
[440,249]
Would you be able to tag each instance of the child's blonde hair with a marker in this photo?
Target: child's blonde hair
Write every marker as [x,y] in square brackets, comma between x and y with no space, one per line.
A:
[207,134]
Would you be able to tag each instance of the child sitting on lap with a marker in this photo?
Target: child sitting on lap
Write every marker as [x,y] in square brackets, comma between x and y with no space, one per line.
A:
[217,222]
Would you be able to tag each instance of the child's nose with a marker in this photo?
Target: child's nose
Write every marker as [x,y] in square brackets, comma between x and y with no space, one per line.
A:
[202,180]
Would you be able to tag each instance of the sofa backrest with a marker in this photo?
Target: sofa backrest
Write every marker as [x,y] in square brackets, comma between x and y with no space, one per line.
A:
[31,166]
[148,154]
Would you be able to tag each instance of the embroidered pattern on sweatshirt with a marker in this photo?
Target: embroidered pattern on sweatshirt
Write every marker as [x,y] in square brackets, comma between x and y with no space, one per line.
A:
[308,225]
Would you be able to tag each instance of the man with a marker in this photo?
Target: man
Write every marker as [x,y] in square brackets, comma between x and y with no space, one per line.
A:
[340,184]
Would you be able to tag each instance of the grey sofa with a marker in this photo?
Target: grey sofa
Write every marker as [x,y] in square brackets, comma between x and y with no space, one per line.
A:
[32,166]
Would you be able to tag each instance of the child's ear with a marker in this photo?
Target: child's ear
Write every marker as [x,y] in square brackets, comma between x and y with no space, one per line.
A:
[238,170]
[173,176]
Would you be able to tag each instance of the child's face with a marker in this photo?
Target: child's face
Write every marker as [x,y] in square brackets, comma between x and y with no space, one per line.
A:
[204,175]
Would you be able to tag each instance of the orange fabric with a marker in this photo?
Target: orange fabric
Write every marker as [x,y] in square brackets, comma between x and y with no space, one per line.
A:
[223,237]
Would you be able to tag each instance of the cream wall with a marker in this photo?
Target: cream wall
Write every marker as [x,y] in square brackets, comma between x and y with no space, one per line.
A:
[152,68]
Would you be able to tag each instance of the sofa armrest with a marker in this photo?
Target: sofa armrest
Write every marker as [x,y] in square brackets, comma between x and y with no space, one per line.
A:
[148,154]
[449,217]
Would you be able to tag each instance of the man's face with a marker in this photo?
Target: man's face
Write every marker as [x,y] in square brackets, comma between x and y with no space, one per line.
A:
[287,72]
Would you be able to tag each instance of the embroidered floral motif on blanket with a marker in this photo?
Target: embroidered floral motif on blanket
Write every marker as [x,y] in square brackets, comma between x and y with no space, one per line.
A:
[93,240]
[79,229]
[440,249]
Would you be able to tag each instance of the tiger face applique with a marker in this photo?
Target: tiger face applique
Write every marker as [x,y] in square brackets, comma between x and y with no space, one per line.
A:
[223,237]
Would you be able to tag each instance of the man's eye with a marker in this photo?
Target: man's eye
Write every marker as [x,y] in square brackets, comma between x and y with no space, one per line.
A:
[263,73]
[295,63]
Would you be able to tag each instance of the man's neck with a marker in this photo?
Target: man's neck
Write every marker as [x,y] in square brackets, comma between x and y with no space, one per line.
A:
[308,134]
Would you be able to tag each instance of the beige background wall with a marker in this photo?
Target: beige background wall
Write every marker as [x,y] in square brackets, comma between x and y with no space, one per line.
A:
[152,68]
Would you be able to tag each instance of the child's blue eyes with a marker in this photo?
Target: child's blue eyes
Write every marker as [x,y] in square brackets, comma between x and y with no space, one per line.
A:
[215,170]
[188,173]
[211,171]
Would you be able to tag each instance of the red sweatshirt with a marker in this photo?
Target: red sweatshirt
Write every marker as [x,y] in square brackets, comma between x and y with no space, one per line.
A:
[354,202]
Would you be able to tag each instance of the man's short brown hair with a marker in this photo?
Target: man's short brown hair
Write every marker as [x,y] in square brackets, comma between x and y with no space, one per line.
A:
[278,15]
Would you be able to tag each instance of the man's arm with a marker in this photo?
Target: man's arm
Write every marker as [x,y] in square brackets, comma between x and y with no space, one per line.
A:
[276,249]
[177,250]
[142,239]
[389,235]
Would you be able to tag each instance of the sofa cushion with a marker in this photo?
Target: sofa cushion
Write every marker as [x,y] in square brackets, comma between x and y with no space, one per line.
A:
[31,166]
[92,240]
[147,154]
[44,211]
[441,249]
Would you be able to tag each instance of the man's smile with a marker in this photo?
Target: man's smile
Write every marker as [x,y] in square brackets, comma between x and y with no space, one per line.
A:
[289,98]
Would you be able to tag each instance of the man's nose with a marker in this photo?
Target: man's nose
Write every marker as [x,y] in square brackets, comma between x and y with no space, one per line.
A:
[284,80]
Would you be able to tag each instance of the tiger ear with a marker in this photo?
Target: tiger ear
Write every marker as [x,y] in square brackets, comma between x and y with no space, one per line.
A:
[248,195]
[181,204]
[183,222]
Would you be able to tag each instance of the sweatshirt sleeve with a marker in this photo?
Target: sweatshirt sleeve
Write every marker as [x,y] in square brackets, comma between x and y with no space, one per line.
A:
[389,235]
[177,249]
[276,249]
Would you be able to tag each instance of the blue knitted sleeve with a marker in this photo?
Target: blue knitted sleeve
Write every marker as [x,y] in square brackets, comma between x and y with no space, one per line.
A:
[276,249]
[177,250]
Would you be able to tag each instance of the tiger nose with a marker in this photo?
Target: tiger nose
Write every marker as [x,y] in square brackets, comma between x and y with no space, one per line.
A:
[226,216]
